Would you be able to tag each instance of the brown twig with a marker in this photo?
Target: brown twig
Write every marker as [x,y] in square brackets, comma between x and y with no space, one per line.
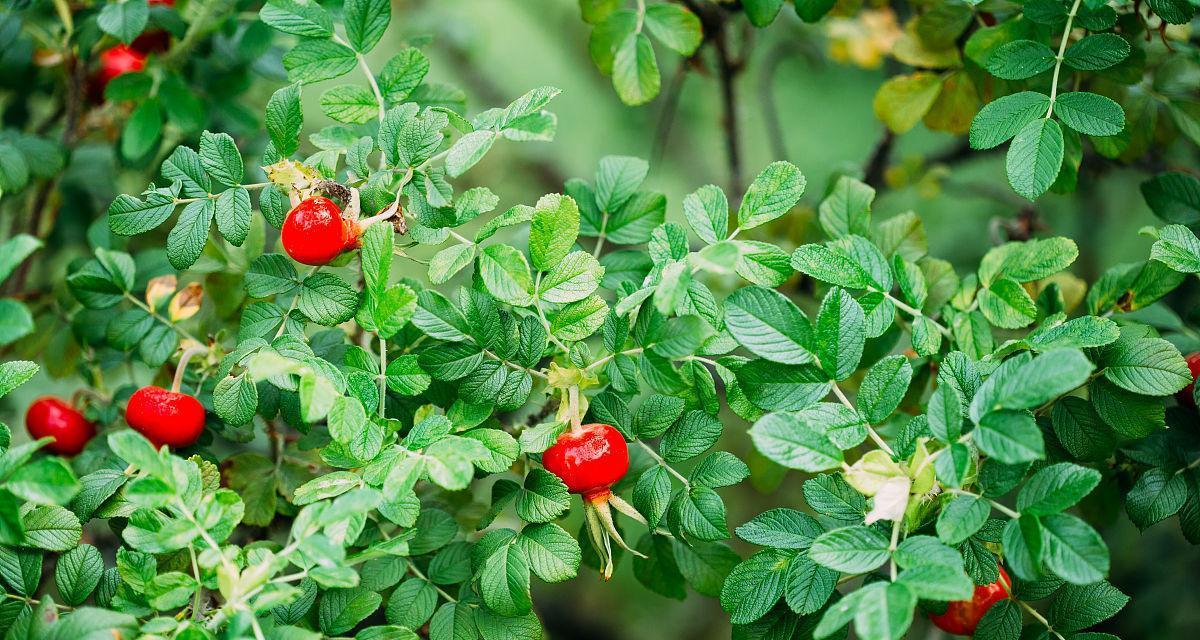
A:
[877,162]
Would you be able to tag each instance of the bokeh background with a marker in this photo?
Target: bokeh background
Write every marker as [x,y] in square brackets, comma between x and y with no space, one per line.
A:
[793,101]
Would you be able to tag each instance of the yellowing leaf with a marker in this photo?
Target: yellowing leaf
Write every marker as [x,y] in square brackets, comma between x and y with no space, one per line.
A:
[186,303]
[903,100]
[159,288]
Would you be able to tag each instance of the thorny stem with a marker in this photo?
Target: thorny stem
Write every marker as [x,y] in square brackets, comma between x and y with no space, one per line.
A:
[1062,49]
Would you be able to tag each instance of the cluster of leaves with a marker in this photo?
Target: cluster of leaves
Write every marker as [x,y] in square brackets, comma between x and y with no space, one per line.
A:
[997,73]
[620,42]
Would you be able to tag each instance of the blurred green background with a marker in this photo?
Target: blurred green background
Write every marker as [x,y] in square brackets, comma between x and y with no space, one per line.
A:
[794,104]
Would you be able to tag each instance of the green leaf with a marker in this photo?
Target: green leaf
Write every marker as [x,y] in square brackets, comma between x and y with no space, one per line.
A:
[754,586]
[578,320]
[186,241]
[1178,248]
[1007,305]
[543,497]
[366,21]
[961,518]
[1035,157]
[808,585]
[635,70]
[1020,59]
[674,26]
[1011,437]
[553,230]
[1079,607]
[77,573]
[781,528]
[142,130]
[15,250]
[1147,366]
[937,582]
[505,273]
[846,210]
[402,74]
[316,60]
[553,554]
[1055,488]
[707,211]
[327,299]
[284,119]
[504,581]
[1174,197]
[855,549]
[271,274]
[233,215]
[349,103]
[221,159]
[44,481]
[1001,119]
[773,193]
[469,150]
[297,17]
[1090,113]
[1096,52]
[1156,496]
[51,528]
[449,261]
[575,277]
[795,443]
[124,20]
[341,610]
[769,325]
[884,387]
[1074,551]
[840,333]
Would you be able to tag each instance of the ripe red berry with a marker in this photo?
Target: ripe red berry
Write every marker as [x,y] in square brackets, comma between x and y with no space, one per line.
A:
[165,3]
[589,460]
[961,617]
[1184,395]
[315,232]
[51,417]
[165,417]
[119,60]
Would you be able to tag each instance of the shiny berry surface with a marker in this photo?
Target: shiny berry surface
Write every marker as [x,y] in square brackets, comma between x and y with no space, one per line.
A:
[165,417]
[51,417]
[590,460]
[120,60]
[961,617]
[315,233]
[1184,395]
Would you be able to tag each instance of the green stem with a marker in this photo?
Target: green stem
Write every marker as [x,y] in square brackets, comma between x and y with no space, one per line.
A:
[663,463]
[183,333]
[1062,49]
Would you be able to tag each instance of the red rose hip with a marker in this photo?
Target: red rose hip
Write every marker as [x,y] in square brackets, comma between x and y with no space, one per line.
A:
[961,617]
[165,417]
[119,60]
[1184,395]
[589,460]
[53,418]
[315,232]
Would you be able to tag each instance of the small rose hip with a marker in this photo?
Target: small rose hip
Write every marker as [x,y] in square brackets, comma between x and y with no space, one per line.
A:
[962,616]
[51,417]
[119,60]
[1184,395]
[315,232]
[589,461]
[165,417]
